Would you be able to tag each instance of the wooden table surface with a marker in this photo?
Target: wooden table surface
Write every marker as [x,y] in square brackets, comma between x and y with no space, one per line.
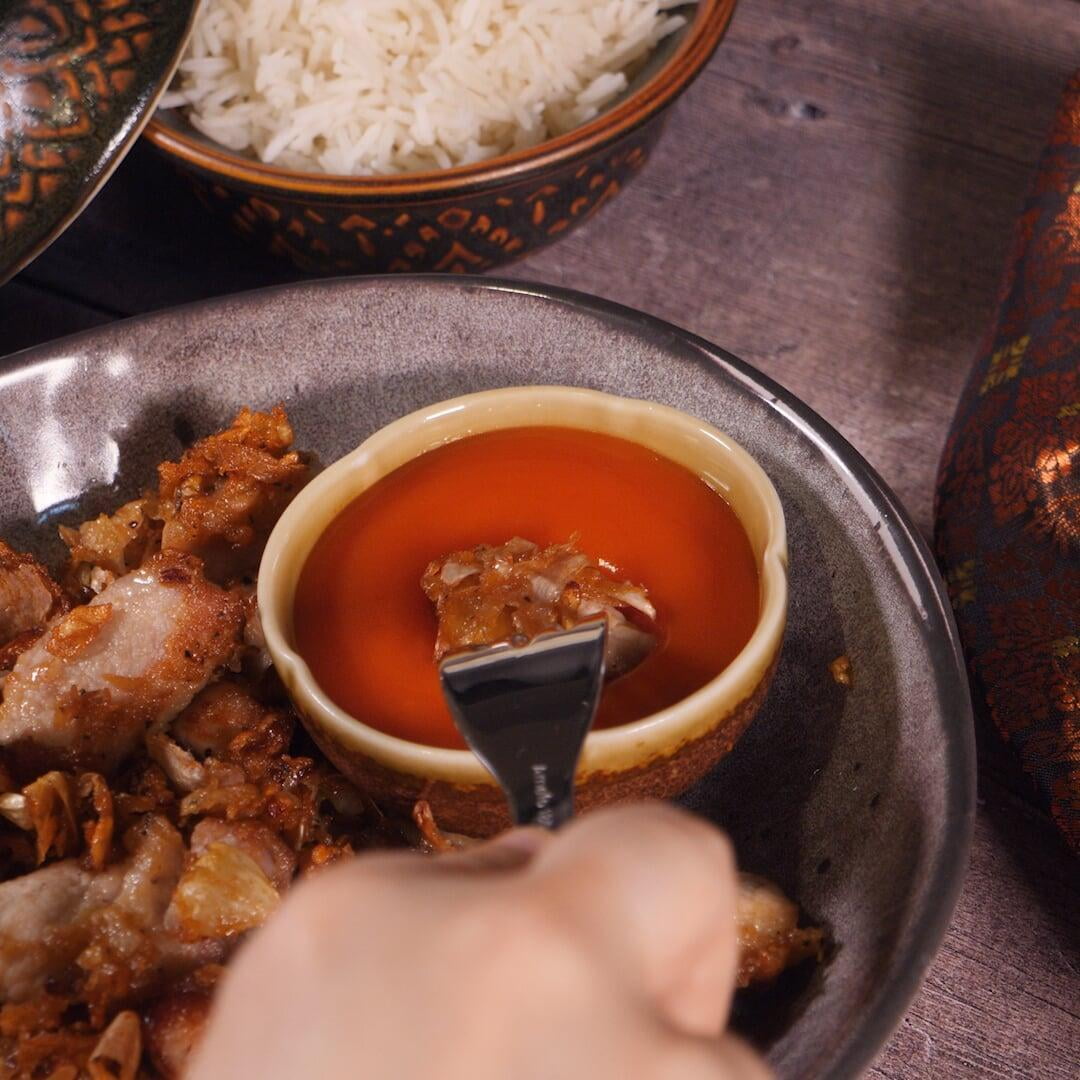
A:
[833,202]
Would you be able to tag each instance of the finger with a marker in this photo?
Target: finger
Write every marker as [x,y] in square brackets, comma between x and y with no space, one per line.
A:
[740,1060]
[726,1058]
[656,888]
[508,851]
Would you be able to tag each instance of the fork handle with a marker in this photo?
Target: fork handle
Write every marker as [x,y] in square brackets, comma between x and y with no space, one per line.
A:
[525,712]
[540,805]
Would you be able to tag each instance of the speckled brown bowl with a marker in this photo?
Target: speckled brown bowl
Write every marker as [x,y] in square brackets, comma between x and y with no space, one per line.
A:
[661,755]
[464,219]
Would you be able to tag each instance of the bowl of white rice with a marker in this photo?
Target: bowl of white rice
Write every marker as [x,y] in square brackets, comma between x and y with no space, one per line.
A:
[424,135]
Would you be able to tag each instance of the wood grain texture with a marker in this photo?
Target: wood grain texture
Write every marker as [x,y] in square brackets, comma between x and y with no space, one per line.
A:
[833,201]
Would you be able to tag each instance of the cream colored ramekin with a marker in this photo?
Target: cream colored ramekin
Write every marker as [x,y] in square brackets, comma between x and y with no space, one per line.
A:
[660,755]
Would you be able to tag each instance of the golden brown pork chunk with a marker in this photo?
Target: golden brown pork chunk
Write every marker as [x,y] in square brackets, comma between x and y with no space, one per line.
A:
[111,545]
[84,694]
[770,938]
[76,946]
[222,498]
[57,924]
[516,591]
[219,501]
[29,598]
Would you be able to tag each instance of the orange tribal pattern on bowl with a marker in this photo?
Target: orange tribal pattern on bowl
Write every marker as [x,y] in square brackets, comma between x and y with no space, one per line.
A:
[463,219]
[1008,501]
[76,78]
[465,234]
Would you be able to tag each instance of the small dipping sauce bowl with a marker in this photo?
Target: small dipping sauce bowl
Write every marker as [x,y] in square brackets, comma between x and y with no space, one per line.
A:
[658,756]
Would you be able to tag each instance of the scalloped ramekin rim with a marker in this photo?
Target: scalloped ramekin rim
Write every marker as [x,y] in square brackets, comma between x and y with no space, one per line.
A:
[476,413]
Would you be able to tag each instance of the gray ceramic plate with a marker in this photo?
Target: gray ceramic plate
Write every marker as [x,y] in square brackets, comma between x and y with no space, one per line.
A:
[859,802]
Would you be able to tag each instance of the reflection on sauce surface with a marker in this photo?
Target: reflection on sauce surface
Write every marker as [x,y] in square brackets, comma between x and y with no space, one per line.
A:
[367,630]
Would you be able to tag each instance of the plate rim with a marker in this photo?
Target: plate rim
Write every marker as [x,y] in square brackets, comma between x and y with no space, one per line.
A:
[948,868]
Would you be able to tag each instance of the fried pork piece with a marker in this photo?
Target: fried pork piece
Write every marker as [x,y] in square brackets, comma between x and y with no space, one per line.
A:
[261,844]
[111,545]
[246,773]
[517,591]
[223,712]
[96,937]
[228,754]
[83,695]
[29,598]
[222,498]
[770,938]
[75,946]
[60,895]
[219,501]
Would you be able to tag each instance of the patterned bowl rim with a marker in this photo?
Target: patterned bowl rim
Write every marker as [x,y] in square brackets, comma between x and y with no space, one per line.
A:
[703,35]
[129,128]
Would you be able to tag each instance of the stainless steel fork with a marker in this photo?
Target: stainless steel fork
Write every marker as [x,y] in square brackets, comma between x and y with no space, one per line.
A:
[525,711]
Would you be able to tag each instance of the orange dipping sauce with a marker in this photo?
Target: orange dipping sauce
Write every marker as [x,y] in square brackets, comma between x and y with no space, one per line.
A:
[367,631]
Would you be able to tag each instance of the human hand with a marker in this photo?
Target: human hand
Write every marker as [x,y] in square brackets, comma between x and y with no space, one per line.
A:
[606,950]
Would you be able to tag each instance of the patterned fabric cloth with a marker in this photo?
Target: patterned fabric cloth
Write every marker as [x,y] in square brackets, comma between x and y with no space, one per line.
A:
[1008,496]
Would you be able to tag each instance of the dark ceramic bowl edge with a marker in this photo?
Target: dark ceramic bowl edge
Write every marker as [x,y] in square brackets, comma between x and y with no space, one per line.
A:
[118,148]
[947,878]
[468,188]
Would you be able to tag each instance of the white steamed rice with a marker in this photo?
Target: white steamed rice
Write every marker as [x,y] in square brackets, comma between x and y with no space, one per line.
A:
[390,86]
